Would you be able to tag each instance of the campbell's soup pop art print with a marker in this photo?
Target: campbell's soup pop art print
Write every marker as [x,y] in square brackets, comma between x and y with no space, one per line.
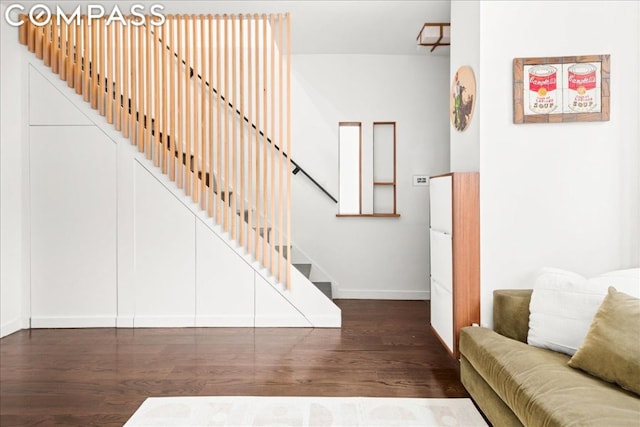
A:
[543,89]
[581,84]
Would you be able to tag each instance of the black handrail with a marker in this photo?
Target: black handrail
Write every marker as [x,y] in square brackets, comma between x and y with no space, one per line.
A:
[297,168]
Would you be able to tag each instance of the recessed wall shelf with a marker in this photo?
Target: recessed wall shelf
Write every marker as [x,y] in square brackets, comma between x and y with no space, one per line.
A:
[384,169]
[383,163]
[349,168]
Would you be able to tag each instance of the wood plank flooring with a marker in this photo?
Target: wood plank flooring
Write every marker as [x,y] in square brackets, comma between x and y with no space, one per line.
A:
[101,376]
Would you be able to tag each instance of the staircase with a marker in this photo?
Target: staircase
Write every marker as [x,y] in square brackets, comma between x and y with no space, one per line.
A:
[206,99]
[305,266]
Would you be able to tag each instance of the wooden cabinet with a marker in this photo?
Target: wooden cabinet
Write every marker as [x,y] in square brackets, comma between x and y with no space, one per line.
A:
[455,255]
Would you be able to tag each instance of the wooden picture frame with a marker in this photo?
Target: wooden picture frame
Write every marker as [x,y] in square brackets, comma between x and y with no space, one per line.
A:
[561,89]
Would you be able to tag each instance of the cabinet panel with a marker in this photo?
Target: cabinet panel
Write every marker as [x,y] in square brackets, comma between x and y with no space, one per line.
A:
[455,254]
[442,313]
[440,204]
[441,253]
[73,227]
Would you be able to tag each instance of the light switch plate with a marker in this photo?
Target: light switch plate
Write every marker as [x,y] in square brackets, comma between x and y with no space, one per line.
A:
[420,180]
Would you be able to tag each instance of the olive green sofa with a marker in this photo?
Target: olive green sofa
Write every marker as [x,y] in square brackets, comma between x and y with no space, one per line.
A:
[515,384]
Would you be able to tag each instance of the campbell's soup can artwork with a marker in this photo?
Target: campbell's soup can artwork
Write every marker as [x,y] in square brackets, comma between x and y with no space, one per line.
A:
[543,89]
[581,87]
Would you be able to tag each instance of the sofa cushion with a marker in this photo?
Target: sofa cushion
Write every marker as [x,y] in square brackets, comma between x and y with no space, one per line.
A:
[611,349]
[493,408]
[539,386]
[563,304]
[511,313]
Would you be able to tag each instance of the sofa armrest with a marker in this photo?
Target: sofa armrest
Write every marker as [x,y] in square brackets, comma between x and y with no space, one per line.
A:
[511,313]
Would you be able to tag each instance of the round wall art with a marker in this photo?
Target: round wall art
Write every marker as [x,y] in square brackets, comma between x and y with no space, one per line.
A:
[462,100]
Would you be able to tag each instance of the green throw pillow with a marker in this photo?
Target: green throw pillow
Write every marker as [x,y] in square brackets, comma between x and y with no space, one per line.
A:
[611,349]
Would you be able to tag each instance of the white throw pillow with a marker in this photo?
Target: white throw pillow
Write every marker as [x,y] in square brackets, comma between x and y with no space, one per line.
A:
[563,305]
[626,281]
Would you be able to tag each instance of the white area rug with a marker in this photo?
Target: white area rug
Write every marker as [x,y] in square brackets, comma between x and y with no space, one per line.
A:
[245,411]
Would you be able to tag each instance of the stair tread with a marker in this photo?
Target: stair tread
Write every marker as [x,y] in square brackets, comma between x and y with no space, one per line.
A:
[304,269]
[325,288]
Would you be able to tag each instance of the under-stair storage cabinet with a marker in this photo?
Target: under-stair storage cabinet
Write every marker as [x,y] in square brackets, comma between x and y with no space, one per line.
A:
[455,255]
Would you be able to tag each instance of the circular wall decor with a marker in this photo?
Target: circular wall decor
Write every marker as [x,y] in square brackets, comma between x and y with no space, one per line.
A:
[462,100]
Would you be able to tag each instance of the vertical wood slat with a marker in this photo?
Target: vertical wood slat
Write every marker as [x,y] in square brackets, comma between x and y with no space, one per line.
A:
[79,55]
[203,112]
[38,42]
[218,148]
[101,61]
[23,30]
[256,234]
[165,83]
[288,121]
[94,66]
[62,58]
[70,55]
[210,196]
[234,101]
[148,107]
[273,152]
[126,41]
[281,259]
[141,89]
[156,100]
[55,50]
[154,119]
[31,36]
[117,79]
[133,72]
[187,102]
[250,168]
[133,65]
[265,190]
[240,189]
[46,47]
[225,145]
[196,117]
[174,101]
[109,73]
[139,73]
[86,39]
[179,141]
[143,102]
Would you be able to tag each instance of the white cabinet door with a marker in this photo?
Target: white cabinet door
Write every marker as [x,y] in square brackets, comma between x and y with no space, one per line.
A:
[440,203]
[442,313]
[441,259]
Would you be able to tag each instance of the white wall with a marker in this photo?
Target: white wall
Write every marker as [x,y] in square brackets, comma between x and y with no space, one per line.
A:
[368,257]
[563,195]
[13,179]
[465,50]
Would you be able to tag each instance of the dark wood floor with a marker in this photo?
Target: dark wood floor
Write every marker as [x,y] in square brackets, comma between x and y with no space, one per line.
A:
[101,376]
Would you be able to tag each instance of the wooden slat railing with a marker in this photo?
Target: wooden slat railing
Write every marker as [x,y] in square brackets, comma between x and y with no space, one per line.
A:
[141,78]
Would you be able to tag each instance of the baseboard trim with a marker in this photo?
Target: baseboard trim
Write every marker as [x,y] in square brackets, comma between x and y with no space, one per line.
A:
[268,321]
[10,327]
[322,321]
[379,294]
[224,321]
[73,322]
[124,322]
[164,322]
